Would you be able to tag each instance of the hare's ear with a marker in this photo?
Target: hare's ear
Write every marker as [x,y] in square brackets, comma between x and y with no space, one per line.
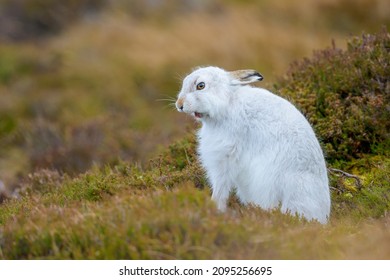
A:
[242,77]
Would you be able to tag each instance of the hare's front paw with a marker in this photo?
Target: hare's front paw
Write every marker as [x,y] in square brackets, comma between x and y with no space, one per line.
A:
[221,206]
[220,197]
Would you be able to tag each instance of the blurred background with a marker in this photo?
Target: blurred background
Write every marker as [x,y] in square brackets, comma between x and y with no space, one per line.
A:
[90,82]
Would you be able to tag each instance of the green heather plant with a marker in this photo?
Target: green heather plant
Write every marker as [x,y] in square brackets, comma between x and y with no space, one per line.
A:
[345,94]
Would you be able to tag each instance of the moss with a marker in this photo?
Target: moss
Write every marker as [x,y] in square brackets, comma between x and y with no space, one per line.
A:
[372,199]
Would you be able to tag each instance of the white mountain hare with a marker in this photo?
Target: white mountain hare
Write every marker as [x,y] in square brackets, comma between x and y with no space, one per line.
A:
[256,142]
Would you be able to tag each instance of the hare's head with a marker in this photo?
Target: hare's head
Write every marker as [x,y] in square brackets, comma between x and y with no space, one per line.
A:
[207,92]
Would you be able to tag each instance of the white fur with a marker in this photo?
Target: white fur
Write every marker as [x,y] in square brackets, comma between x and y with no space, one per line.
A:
[258,143]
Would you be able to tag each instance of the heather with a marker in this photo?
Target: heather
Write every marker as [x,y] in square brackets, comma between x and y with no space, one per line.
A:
[96,163]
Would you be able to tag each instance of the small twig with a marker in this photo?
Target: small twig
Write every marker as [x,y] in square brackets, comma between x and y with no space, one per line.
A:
[336,189]
[348,175]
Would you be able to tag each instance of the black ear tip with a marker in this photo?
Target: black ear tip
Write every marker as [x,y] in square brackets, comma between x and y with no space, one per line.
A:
[259,76]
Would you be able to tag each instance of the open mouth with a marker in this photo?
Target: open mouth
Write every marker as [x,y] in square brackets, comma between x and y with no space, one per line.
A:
[198,115]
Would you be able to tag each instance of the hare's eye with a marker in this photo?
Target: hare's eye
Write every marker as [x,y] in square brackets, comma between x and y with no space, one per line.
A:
[200,86]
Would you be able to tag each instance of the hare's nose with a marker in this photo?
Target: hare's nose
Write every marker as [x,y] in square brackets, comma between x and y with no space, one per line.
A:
[180,104]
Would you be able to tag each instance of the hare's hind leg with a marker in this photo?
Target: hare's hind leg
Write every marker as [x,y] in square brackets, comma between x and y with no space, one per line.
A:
[220,183]
[308,198]
[220,196]
[220,192]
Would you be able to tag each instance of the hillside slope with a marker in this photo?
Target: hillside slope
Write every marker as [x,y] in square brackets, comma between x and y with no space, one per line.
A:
[164,211]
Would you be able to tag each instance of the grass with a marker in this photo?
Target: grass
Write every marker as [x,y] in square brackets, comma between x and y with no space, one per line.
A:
[165,212]
[100,170]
